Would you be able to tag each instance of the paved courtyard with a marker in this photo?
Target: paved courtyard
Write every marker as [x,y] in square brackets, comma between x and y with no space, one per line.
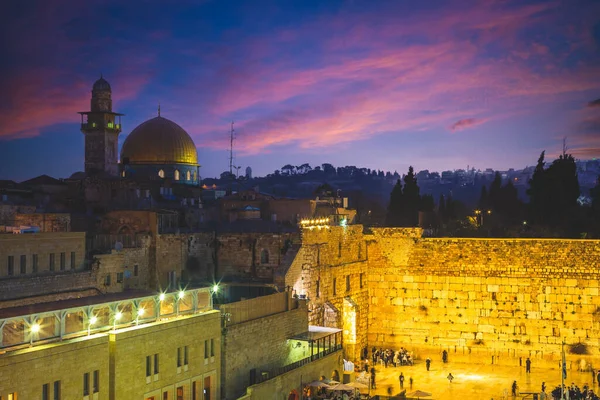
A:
[473,381]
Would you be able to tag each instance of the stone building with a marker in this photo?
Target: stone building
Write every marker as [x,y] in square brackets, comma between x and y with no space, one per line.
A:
[269,347]
[151,347]
[482,300]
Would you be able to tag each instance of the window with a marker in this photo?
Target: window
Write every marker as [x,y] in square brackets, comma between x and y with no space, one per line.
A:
[56,390]
[11,265]
[96,383]
[264,256]
[347,283]
[161,174]
[176,175]
[318,292]
[51,262]
[212,347]
[107,280]
[12,396]
[156,363]
[72,260]
[179,357]
[359,251]
[188,176]
[180,393]
[165,395]
[135,270]
[62,261]
[23,266]
[119,277]
[334,284]
[34,263]
[86,384]
[148,366]
[206,349]
[361,279]
[340,248]
[45,392]
[185,356]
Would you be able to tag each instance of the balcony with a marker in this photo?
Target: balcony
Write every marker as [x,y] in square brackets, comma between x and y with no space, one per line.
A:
[98,126]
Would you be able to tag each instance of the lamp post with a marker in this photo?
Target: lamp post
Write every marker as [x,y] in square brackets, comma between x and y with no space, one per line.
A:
[93,319]
[33,330]
[480,214]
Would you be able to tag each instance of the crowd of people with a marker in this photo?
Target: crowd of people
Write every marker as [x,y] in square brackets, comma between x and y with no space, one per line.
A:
[388,357]
[573,392]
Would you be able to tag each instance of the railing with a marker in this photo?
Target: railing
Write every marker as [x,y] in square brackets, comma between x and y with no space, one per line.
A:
[270,374]
[45,327]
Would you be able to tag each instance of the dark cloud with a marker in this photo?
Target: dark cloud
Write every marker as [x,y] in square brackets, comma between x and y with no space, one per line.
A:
[466,123]
[594,103]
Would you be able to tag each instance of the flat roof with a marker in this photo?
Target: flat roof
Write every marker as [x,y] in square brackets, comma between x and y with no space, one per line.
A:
[316,332]
[72,303]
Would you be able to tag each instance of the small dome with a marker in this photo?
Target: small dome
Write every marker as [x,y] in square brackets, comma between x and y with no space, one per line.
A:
[101,84]
[159,141]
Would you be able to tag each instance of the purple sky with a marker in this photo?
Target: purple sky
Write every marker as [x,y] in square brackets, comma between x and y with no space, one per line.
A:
[379,84]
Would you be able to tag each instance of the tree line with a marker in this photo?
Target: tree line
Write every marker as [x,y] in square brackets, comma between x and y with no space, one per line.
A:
[553,210]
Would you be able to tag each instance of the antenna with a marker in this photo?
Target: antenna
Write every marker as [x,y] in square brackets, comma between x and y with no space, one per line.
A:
[231,139]
[565,148]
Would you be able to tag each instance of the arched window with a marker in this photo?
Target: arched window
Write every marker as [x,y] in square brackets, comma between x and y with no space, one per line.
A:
[161,173]
[264,256]
[176,175]
[194,176]
[123,174]
[188,176]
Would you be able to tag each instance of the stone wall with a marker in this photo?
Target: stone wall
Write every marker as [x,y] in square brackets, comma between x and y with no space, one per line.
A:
[479,298]
[260,344]
[129,268]
[43,248]
[55,285]
[242,255]
[47,222]
[334,256]
[280,386]
[476,298]
[189,253]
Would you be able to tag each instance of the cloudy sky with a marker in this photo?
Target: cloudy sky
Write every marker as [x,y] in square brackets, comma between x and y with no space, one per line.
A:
[378,84]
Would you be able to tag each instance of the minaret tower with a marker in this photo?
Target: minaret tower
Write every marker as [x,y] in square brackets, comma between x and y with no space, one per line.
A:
[101,130]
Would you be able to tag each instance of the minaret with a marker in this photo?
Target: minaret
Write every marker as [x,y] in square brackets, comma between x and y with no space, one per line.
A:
[101,132]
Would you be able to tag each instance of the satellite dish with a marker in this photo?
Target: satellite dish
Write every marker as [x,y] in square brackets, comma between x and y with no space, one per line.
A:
[118,246]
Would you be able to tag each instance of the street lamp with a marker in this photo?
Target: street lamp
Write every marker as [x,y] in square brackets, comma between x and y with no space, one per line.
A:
[92,321]
[33,330]
[118,316]
[140,313]
[480,213]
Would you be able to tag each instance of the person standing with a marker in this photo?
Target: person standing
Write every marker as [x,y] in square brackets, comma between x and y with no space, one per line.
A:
[428,363]
[450,377]
[528,365]
[514,389]
[372,378]
[410,382]
[543,386]
[444,356]
[401,379]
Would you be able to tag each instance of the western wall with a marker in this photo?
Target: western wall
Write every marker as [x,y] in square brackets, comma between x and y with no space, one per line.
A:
[482,300]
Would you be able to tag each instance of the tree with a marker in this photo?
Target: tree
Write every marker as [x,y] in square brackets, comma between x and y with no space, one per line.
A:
[483,203]
[427,203]
[288,169]
[537,192]
[442,208]
[495,196]
[411,199]
[595,210]
[324,190]
[394,214]
[328,169]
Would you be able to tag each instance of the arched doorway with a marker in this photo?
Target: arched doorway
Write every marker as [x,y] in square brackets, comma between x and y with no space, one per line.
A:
[335,375]
[293,395]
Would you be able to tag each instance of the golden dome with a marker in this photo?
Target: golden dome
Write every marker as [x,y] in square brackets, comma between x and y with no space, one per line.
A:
[159,141]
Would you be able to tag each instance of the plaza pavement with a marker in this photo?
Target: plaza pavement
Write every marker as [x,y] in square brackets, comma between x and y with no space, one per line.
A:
[474,382]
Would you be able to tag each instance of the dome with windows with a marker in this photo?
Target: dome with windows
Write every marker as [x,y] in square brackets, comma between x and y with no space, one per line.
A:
[160,149]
